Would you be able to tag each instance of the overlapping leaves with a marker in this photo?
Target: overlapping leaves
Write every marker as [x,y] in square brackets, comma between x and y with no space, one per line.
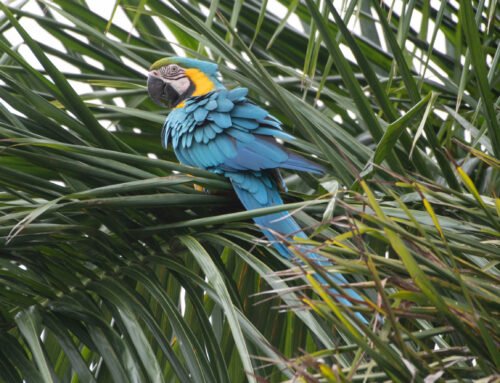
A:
[114,268]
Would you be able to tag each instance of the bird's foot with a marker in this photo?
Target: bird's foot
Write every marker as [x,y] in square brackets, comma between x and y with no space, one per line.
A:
[199,188]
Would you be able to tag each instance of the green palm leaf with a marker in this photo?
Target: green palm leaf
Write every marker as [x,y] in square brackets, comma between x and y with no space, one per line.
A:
[113,268]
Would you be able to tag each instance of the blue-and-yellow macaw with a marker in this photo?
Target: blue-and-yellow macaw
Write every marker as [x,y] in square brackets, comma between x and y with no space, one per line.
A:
[222,131]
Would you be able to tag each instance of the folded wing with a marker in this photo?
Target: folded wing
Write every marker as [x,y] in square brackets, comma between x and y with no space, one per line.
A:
[225,132]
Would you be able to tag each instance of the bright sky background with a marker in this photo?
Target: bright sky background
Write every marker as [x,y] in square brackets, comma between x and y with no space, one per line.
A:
[104,8]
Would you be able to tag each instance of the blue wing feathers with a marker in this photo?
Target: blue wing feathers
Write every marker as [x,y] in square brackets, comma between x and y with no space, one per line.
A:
[216,128]
[198,135]
[247,160]
[226,145]
[225,105]
[211,105]
[200,114]
[241,136]
[221,119]
[245,123]
[208,141]
[248,110]
[225,133]
[274,133]
[237,94]
[243,132]
[296,162]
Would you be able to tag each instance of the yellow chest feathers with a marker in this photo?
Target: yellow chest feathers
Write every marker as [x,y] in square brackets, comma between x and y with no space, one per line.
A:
[202,83]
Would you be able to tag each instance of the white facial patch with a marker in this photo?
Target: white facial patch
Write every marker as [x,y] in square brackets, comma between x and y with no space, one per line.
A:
[180,85]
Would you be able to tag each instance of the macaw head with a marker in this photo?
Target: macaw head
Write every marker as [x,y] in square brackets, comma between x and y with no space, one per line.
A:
[172,80]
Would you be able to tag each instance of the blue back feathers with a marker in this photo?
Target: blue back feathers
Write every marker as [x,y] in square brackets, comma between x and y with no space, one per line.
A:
[223,132]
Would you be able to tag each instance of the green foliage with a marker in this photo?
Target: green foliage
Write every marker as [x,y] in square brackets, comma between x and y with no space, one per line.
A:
[114,268]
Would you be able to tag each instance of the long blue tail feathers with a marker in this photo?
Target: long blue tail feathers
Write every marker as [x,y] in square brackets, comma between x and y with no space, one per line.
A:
[282,225]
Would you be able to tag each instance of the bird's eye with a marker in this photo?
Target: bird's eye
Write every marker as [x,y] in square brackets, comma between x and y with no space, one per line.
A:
[169,70]
[172,69]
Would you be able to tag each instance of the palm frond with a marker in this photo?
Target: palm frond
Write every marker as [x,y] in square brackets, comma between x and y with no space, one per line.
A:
[114,268]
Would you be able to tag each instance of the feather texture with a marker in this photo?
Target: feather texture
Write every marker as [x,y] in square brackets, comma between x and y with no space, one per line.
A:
[244,135]
[223,132]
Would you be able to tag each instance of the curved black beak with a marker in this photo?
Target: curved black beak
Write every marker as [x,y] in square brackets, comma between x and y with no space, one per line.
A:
[161,92]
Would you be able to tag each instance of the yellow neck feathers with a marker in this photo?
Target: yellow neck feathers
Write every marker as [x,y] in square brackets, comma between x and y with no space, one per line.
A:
[202,83]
